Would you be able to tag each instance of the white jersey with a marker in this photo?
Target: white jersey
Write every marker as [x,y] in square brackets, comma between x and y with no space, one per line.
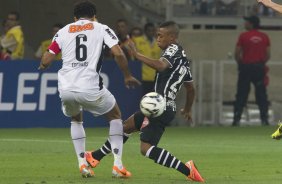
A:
[81,44]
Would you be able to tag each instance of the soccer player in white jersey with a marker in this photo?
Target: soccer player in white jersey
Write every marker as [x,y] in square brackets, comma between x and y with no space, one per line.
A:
[80,85]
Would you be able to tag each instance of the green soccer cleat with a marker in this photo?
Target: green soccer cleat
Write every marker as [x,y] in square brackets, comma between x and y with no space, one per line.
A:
[278,133]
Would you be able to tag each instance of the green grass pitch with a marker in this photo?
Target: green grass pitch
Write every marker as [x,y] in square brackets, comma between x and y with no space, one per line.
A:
[244,155]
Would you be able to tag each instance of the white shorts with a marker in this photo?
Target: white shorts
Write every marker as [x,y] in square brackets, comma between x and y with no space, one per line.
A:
[74,102]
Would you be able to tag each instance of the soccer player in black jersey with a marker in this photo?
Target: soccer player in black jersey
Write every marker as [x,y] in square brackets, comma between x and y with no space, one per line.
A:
[173,71]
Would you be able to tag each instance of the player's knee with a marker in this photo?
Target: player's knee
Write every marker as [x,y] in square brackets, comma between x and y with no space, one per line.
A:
[71,111]
[113,114]
[77,118]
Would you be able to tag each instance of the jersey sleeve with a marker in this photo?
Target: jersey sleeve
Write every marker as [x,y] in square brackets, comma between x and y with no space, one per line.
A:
[110,38]
[188,77]
[55,46]
[170,53]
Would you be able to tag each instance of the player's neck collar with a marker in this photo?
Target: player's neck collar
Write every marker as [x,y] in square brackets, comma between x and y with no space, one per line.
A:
[84,18]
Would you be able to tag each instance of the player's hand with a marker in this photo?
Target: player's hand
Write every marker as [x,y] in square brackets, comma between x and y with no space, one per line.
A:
[131,47]
[42,66]
[187,115]
[131,82]
[265,2]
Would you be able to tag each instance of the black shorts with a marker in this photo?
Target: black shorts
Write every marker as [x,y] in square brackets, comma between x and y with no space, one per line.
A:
[152,131]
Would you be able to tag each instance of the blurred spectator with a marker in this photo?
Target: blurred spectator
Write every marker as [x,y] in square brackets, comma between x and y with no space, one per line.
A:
[195,6]
[45,44]
[13,41]
[252,52]
[123,36]
[147,45]
[135,32]
[227,7]
[211,7]
[204,7]
[5,28]
[4,56]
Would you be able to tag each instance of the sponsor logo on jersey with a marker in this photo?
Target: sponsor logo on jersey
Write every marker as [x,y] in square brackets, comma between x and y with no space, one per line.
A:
[79,28]
[171,103]
[171,50]
[111,34]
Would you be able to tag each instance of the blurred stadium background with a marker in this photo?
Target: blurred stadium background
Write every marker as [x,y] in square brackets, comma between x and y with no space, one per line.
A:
[209,31]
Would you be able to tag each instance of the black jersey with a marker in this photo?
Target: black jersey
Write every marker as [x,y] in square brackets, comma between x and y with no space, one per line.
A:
[169,81]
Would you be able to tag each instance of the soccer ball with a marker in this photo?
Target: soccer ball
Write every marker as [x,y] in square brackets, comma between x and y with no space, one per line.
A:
[152,105]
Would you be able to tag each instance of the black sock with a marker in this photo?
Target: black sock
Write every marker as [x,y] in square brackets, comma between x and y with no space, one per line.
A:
[106,148]
[163,157]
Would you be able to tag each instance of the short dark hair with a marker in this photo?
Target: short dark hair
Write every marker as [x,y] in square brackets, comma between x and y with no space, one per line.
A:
[171,24]
[16,14]
[84,9]
[148,25]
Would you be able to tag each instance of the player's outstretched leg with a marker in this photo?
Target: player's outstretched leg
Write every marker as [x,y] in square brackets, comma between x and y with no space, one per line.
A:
[278,133]
[94,157]
[163,157]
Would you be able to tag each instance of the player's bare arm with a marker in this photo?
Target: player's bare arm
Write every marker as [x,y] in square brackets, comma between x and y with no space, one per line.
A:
[190,96]
[272,5]
[157,64]
[121,60]
[46,60]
